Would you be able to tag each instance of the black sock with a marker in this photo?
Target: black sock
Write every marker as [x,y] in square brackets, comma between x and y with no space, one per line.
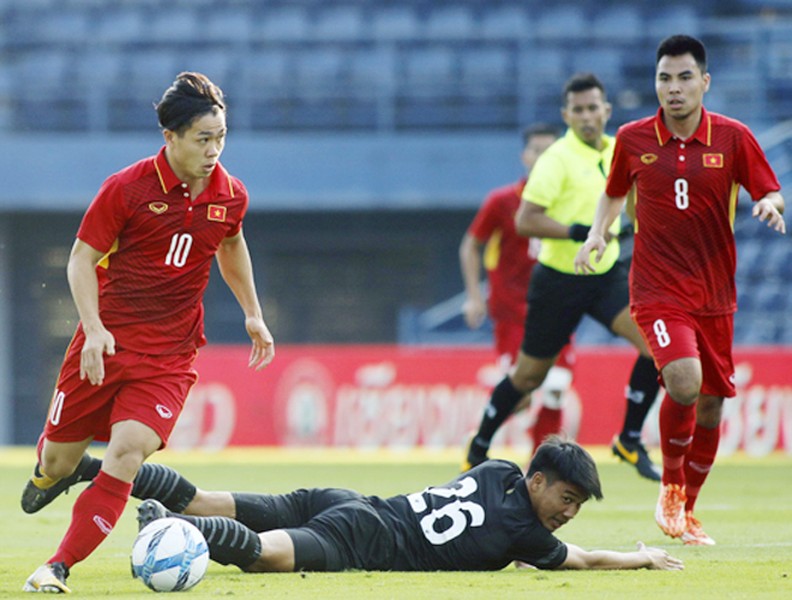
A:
[502,402]
[230,542]
[164,484]
[641,394]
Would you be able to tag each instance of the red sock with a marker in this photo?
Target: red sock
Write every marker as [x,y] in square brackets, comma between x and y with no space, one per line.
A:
[94,515]
[677,423]
[698,462]
[548,422]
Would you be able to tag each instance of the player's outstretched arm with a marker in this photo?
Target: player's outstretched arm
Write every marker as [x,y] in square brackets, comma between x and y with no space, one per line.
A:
[770,210]
[644,557]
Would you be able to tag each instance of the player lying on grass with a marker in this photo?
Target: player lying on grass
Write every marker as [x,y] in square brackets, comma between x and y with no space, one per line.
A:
[482,520]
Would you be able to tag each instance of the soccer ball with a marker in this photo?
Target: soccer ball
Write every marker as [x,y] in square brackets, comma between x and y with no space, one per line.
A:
[170,555]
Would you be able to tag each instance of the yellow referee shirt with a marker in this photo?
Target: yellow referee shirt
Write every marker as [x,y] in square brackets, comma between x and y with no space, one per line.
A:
[568,180]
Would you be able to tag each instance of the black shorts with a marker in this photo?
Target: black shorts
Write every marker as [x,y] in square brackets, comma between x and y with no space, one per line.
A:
[557,302]
[343,532]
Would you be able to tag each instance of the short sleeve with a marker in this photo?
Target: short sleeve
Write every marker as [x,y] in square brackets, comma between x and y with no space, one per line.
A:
[753,170]
[105,217]
[619,179]
[546,181]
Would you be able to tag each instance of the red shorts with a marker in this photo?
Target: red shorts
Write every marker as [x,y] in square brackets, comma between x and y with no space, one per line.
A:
[508,339]
[145,388]
[673,333]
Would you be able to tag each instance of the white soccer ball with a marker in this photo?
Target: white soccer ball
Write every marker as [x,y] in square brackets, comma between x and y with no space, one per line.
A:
[170,555]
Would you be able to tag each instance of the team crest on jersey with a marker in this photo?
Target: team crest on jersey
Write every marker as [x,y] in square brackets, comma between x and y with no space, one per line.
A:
[158,207]
[648,159]
[713,161]
[217,213]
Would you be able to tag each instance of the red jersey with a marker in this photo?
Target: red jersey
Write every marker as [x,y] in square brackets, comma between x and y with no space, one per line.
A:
[506,257]
[686,199]
[159,246]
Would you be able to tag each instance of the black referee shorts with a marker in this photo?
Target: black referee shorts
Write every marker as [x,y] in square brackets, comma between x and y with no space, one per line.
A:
[557,302]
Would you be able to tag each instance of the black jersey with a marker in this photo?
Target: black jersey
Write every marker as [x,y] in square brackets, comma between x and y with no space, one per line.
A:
[480,521]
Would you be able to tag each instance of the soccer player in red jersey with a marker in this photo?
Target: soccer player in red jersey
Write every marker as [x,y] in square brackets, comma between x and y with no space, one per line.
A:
[686,165]
[137,272]
[509,259]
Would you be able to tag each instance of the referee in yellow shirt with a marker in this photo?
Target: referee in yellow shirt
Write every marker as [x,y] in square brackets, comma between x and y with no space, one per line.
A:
[558,206]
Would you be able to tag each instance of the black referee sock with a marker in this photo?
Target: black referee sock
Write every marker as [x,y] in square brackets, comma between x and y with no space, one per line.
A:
[164,484]
[230,542]
[641,393]
[505,397]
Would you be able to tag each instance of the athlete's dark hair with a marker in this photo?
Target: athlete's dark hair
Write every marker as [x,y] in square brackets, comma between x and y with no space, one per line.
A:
[539,129]
[580,82]
[190,96]
[677,45]
[562,460]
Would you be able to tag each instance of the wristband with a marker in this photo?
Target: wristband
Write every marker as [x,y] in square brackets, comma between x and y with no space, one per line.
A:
[578,232]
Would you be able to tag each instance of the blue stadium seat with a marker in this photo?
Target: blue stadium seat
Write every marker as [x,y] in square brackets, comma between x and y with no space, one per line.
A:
[429,68]
[372,70]
[605,63]
[505,21]
[288,22]
[395,22]
[566,22]
[233,24]
[449,21]
[619,23]
[121,25]
[342,22]
[320,68]
[266,71]
[488,68]
[99,68]
[215,64]
[177,23]
[666,20]
[66,25]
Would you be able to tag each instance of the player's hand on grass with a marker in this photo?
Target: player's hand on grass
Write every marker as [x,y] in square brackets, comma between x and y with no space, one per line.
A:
[660,559]
[98,342]
[263,350]
[766,212]
[594,243]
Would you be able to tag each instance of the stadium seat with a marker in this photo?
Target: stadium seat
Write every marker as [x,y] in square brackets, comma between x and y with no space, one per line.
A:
[265,71]
[395,22]
[124,24]
[232,25]
[215,64]
[177,23]
[372,69]
[488,69]
[449,22]
[319,68]
[617,24]
[508,21]
[288,22]
[605,63]
[343,22]
[664,20]
[55,27]
[566,22]
[430,68]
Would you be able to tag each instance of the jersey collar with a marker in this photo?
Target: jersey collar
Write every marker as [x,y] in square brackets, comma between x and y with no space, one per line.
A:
[703,134]
[582,148]
[219,183]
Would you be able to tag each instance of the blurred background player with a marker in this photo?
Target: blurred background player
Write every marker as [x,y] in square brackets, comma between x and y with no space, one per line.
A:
[686,165]
[137,272]
[509,259]
[560,199]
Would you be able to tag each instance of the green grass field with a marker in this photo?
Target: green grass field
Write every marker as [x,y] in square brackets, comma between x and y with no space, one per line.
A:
[746,506]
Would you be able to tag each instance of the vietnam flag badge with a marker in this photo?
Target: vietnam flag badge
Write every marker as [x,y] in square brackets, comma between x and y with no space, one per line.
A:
[713,161]
[216,213]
